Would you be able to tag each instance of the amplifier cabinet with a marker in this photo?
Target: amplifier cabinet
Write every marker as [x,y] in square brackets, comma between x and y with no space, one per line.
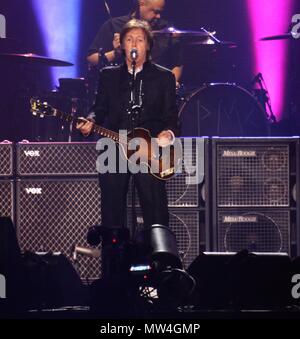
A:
[56,159]
[55,214]
[6,159]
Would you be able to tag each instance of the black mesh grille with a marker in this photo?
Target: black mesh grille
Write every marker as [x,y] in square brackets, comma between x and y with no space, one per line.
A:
[256,231]
[254,175]
[6,162]
[56,159]
[6,198]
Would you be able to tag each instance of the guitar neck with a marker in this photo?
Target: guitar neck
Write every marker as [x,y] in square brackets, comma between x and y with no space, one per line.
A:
[104,132]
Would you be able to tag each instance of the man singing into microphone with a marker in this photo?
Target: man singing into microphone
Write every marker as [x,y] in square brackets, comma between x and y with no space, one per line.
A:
[154,88]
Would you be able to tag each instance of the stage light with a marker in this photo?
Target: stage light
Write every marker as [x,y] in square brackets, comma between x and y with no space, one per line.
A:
[59,23]
[268,18]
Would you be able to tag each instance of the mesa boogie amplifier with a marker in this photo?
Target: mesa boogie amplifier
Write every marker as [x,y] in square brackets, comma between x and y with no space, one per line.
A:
[252,173]
[266,230]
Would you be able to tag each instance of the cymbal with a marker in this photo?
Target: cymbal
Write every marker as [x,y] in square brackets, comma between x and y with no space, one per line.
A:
[33,59]
[285,36]
[180,33]
[214,44]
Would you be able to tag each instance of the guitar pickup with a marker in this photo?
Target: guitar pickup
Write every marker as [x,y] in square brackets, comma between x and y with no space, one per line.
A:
[167,172]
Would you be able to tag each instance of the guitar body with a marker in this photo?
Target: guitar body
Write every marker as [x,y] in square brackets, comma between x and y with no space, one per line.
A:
[144,151]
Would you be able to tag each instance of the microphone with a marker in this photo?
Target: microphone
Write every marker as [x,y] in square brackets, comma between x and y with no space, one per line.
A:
[260,76]
[134,54]
[257,78]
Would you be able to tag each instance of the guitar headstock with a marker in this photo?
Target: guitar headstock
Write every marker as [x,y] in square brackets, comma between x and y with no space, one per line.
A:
[41,109]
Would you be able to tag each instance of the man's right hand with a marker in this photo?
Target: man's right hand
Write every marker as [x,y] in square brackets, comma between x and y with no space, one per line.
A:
[85,126]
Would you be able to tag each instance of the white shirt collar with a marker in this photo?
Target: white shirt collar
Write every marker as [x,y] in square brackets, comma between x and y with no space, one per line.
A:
[137,70]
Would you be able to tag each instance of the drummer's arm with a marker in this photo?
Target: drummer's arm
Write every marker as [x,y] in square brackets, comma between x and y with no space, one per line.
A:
[110,55]
[177,71]
[95,57]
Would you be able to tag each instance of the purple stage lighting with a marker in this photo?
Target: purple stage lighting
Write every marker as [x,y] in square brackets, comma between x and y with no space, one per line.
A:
[268,18]
[59,24]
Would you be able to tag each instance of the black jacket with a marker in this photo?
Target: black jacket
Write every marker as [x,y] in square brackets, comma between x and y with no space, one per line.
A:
[159,110]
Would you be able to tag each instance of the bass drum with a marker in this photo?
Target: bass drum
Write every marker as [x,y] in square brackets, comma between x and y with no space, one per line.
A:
[222,109]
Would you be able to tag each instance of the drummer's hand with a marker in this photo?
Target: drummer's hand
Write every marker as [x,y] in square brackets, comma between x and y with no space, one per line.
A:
[85,126]
[116,43]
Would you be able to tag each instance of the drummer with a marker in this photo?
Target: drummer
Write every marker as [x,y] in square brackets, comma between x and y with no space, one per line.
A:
[106,48]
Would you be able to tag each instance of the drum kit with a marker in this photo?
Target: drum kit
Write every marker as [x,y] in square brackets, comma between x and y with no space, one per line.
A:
[213,109]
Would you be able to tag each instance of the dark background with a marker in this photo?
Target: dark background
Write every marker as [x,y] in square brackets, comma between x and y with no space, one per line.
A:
[228,18]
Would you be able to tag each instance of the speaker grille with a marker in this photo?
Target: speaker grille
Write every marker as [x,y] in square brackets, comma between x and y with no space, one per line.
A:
[73,159]
[256,231]
[6,199]
[6,160]
[185,225]
[54,215]
[253,175]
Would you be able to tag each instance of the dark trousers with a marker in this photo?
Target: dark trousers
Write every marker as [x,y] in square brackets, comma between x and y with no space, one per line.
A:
[152,195]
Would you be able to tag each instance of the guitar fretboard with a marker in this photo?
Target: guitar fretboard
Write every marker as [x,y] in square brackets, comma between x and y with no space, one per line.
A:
[104,132]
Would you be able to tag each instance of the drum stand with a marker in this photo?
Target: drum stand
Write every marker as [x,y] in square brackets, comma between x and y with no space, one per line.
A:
[74,110]
[74,93]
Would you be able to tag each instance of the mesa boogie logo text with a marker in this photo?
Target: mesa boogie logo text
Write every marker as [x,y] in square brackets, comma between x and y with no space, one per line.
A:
[231,219]
[239,153]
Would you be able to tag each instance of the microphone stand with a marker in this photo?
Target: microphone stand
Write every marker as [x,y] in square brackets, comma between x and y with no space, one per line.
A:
[258,79]
[271,114]
[133,114]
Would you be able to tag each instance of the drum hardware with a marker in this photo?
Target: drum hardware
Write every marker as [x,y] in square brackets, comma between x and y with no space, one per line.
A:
[70,96]
[195,38]
[29,67]
[222,109]
[294,105]
[173,32]
[74,91]
[285,36]
[185,36]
